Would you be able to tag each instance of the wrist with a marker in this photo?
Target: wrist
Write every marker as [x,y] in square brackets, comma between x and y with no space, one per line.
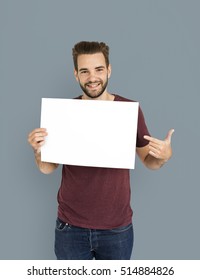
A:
[37,153]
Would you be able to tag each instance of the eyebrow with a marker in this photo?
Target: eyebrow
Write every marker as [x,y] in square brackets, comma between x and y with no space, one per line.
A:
[83,69]
[98,67]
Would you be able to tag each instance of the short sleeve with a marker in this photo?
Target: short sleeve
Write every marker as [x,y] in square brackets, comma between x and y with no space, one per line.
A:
[141,130]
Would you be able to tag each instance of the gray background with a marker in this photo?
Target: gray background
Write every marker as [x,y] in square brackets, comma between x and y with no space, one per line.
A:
[155,59]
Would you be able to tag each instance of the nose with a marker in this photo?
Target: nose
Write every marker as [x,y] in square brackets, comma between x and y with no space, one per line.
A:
[92,77]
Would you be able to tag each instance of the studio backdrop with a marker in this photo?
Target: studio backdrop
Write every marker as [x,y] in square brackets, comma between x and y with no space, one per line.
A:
[154,53]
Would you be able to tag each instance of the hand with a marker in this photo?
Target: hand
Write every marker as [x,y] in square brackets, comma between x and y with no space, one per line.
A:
[160,149]
[36,138]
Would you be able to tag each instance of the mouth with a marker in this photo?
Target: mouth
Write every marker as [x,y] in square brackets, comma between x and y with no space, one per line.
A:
[94,85]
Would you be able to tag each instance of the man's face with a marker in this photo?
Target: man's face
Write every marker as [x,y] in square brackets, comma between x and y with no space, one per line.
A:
[92,74]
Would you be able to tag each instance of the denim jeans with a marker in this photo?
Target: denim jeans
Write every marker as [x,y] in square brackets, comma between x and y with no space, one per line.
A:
[75,243]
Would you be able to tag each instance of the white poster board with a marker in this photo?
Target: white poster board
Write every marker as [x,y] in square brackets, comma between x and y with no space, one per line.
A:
[89,132]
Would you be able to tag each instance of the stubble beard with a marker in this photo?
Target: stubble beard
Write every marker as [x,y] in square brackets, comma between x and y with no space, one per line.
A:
[98,93]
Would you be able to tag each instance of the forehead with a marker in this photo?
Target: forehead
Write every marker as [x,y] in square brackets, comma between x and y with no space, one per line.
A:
[91,60]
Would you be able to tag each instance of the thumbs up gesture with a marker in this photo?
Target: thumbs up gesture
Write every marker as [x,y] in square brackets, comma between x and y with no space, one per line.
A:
[160,149]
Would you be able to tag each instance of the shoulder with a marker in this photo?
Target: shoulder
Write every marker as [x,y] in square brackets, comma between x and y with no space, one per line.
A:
[121,98]
[78,97]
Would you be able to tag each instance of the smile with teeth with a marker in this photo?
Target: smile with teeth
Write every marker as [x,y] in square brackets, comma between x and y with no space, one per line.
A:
[93,85]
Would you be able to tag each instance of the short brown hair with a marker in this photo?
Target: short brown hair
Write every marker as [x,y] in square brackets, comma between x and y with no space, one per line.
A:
[85,47]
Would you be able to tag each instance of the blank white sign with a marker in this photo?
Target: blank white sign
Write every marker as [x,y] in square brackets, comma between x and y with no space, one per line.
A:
[89,132]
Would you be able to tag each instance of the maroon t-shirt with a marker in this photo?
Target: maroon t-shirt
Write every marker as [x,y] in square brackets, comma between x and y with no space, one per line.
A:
[95,197]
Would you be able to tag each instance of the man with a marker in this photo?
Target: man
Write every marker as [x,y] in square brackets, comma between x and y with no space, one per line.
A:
[94,213]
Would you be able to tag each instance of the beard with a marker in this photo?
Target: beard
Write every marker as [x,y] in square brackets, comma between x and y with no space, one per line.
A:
[94,93]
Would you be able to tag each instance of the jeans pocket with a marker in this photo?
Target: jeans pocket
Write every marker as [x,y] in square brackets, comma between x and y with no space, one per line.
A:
[61,226]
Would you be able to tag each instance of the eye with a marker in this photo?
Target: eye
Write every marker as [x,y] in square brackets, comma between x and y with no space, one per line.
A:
[84,72]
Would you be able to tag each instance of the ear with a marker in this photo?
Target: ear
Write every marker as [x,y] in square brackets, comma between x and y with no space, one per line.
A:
[76,75]
[109,70]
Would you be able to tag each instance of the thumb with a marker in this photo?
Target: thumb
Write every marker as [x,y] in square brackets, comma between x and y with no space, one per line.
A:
[169,135]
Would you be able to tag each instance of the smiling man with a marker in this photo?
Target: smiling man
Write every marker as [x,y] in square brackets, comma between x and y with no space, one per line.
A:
[92,71]
[93,80]
[94,212]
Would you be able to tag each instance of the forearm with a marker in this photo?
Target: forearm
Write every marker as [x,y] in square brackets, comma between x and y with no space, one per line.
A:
[44,167]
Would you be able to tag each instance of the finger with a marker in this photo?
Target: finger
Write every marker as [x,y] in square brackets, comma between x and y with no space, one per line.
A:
[152,139]
[155,146]
[36,147]
[153,154]
[169,135]
[34,135]
[41,143]
[154,150]
[37,130]
[36,142]
[38,139]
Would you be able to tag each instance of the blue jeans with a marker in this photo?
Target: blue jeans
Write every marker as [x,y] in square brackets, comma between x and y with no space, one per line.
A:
[75,243]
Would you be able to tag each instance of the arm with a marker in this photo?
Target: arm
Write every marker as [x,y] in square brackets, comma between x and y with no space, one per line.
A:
[157,152]
[36,139]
